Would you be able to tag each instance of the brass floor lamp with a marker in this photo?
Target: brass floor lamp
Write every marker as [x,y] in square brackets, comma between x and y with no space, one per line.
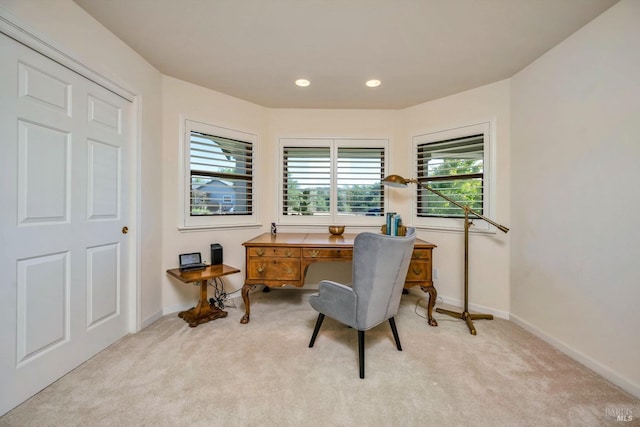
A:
[398,181]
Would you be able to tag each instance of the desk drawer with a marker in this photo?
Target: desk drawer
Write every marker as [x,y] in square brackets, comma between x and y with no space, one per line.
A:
[419,272]
[274,252]
[328,253]
[421,255]
[273,269]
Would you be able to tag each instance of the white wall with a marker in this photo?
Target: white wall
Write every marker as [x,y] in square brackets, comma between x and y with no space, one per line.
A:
[575,150]
[489,275]
[181,99]
[70,29]
[489,255]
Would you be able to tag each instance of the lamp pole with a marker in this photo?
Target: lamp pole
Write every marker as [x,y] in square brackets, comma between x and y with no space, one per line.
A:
[398,181]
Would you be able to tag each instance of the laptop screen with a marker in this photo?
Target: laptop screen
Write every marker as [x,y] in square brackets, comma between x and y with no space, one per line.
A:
[188,259]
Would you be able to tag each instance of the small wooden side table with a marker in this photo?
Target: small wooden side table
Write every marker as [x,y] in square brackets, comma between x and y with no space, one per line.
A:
[203,312]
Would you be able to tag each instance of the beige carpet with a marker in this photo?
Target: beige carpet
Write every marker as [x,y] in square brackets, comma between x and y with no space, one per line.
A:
[263,374]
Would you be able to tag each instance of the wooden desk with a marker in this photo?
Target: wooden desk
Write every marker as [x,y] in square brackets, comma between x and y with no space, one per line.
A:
[283,259]
[203,312]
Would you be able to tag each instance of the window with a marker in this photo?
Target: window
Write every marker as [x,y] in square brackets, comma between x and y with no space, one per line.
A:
[306,181]
[219,185]
[454,162]
[359,175]
[327,181]
[455,168]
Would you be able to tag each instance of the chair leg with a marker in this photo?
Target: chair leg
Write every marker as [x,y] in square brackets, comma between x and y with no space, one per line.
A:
[361,352]
[317,328]
[392,322]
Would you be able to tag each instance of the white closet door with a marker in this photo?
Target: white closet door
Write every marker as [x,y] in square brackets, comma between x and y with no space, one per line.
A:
[63,205]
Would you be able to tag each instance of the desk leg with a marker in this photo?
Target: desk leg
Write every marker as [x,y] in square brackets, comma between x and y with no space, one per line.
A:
[203,312]
[433,294]
[247,303]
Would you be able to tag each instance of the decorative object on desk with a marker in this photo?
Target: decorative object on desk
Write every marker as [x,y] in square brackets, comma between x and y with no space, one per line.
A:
[401,231]
[336,230]
[380,265]
[398,181]
[388,216]
[216,253]
[274,230]
[393,224]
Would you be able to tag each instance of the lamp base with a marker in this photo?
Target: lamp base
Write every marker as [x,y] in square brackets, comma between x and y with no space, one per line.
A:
[467,317]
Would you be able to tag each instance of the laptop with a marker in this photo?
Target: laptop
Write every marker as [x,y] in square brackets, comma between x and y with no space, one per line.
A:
[191,262]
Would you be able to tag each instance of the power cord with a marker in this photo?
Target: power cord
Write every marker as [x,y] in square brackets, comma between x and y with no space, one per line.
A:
[220,297]
[425,307]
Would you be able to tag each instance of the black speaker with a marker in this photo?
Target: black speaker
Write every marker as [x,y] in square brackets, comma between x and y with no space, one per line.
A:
[216,253]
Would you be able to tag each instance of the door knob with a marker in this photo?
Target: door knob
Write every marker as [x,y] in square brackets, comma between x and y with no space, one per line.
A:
[125,230]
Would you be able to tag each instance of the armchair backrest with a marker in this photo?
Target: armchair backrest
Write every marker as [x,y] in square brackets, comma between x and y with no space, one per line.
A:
[380,265]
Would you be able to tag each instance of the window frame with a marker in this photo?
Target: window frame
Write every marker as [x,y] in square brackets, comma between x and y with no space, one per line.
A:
[487,129]
[186,220]
[332,218]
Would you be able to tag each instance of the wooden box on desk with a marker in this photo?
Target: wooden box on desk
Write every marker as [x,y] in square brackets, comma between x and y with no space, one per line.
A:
[402,230]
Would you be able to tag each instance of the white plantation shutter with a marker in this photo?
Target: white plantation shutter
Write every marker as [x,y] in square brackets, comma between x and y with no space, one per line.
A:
[332,181]
[306,180]
[358,170]
[455,167]
[221,176]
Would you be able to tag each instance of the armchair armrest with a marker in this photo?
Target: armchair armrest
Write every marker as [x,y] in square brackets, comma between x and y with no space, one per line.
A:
[335,300]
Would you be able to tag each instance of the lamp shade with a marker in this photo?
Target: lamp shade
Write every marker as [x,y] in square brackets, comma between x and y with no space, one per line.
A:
[395,181]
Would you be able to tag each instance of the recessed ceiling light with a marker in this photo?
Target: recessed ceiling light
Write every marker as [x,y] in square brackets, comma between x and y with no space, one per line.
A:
[373,83]
[303,82]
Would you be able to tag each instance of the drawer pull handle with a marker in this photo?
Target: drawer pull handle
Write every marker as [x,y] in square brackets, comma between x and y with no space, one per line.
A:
[261,268]
[314,253]
[416,271]
[260,252]
[288,270]
[289,253]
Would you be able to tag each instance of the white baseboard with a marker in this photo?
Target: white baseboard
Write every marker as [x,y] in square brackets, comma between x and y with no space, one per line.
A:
[580,357]
[149,320]
[474,308]
[176,308]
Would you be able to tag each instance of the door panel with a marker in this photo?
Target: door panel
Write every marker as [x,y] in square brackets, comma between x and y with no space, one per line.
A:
[43,315]
[44,88]
[63,171]
[103,285]
[104,170]
[43,152]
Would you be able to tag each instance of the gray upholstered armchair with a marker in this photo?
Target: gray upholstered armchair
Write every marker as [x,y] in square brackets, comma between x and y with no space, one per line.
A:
[380,265]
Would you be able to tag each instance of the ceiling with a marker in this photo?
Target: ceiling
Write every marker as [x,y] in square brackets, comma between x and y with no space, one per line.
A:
[420,49]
